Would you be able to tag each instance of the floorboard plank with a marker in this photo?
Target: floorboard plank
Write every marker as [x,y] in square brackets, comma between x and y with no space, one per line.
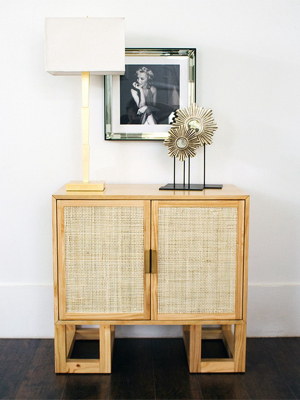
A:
[223,386]
[15,358]
[132,370]
[172,377]
[285,353]
[263,380]
[85,386]
[40,381]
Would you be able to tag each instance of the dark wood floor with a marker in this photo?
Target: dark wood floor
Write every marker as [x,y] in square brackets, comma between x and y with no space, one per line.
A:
[150,369]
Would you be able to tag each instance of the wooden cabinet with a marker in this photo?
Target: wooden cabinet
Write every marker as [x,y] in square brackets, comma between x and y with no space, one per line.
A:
[136,255]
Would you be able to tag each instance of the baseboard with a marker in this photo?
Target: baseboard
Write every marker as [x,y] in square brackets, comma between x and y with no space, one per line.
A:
[27,312]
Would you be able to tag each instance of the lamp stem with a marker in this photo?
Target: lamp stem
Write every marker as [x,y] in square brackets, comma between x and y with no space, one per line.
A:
[85,185]
[85,126]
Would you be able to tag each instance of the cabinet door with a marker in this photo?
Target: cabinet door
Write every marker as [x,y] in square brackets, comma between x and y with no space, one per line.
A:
[197,262]
[103,259]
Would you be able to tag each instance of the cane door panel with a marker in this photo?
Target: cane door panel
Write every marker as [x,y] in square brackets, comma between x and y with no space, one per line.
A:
[103,259]
[197,260]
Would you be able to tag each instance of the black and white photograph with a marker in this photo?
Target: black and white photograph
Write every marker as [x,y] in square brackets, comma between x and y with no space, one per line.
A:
[149,94]
[140,104]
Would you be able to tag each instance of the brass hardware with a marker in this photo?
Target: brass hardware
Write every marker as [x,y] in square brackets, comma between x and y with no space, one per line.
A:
[153,262]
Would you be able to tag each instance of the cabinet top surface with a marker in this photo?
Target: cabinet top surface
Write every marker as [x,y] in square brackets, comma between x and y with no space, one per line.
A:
[152,192]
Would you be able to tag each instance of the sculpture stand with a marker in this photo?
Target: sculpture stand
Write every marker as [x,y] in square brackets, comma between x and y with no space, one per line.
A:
[188,185]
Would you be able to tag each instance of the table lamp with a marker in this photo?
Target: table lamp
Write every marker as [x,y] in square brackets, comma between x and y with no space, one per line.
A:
[85,46]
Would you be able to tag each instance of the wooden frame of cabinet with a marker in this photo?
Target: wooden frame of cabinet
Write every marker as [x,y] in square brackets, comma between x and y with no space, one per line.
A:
[67,325]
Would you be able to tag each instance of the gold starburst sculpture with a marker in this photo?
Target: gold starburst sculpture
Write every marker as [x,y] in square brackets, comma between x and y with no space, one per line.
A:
[198,118]
[182,143]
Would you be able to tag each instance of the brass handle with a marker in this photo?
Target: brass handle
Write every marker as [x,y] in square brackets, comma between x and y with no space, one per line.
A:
[150,261]
[154,261]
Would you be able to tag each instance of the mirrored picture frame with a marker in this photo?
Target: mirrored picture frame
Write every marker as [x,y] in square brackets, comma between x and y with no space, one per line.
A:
[140,105]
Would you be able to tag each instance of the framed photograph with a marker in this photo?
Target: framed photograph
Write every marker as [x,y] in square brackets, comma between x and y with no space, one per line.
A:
[140,105]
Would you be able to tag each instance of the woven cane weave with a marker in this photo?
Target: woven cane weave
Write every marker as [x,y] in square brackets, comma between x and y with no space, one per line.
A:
[197,250]
[104,259]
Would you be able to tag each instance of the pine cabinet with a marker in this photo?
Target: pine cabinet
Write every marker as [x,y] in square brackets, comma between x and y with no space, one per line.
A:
[134,255]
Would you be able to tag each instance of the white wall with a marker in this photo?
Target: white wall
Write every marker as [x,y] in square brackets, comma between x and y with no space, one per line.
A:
[248,72]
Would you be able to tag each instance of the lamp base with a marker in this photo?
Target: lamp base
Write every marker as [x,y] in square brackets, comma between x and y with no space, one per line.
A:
[79,186]
[180,186]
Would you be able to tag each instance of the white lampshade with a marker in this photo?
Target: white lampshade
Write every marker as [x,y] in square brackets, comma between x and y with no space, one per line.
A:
[73,45]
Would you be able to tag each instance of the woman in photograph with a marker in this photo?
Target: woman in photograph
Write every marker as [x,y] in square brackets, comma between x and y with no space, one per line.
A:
[144,95]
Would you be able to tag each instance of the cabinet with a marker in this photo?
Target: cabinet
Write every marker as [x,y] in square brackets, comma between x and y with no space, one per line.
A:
[134,255]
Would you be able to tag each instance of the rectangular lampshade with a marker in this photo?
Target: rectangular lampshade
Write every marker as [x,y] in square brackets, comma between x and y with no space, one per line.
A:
[73,45]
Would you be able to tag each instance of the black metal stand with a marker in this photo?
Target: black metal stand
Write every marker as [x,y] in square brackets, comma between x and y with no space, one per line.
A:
[189,186]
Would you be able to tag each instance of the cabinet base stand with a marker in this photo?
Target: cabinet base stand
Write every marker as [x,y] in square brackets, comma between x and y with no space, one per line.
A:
[65,337]
[193,337]
[235,344]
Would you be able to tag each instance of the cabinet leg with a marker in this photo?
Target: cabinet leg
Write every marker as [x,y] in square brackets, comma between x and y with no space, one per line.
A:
[192,336]
[106,335]
[240,332]
[228,339]
[60,348]
[70,338]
